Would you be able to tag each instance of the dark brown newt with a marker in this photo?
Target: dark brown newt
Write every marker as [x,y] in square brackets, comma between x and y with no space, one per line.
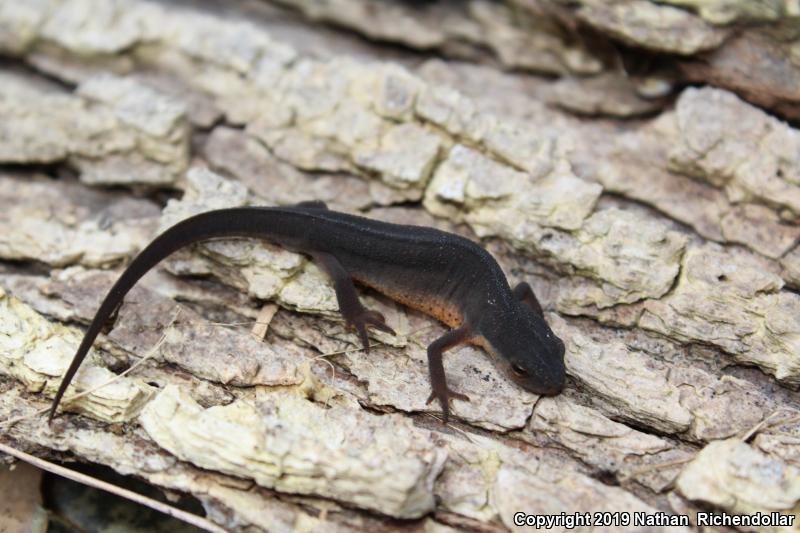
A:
[439,273]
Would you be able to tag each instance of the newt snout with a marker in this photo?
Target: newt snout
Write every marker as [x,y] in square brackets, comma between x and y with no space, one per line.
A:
[528,348]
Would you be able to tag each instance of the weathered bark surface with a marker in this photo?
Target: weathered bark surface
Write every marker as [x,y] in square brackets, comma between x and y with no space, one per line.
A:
[657,223]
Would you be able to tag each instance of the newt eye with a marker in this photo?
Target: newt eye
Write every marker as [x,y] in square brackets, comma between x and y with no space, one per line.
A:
[518,370]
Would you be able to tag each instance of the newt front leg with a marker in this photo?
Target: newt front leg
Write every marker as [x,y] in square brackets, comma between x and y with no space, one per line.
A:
[439,388]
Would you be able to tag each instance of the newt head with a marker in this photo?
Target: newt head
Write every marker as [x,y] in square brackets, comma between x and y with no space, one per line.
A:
[527,349]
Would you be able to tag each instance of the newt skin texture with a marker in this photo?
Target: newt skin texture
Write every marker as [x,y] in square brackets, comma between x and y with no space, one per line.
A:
[439,273]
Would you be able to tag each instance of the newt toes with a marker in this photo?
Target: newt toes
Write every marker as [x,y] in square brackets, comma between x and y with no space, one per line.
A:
[439,273]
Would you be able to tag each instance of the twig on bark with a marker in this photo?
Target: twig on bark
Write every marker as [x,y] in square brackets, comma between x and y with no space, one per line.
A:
[89,481]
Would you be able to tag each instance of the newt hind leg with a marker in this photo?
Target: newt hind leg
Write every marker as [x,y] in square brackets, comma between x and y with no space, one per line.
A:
[439,388]
[355,315]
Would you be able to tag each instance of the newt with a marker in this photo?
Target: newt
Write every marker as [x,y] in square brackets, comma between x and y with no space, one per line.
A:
[444,275]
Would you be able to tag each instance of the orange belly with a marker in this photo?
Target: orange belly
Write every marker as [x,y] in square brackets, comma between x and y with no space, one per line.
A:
[441,310]
[444,311]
